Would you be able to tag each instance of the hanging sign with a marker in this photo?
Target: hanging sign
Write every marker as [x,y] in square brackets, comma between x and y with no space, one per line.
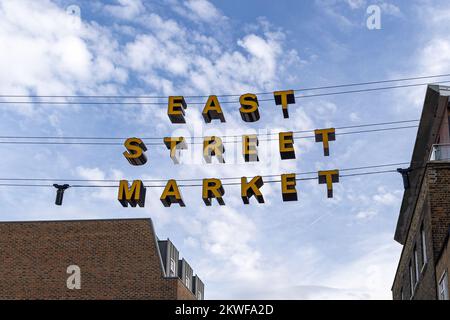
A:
[212,110]
[133,193]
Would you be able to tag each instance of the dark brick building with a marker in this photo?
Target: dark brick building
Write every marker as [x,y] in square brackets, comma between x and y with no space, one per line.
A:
[112,259]
[424,219]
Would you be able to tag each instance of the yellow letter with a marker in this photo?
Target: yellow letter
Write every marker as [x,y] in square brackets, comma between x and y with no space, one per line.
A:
[251,188]
[176,108]
[134,195]
[212,188]
[249,144]
[212,110]
[135,154]
[249,107]
[325,135]
[288,184]
[171,194]
[175,144]
[329,177]
[284,98]
[213,146]
[286,143]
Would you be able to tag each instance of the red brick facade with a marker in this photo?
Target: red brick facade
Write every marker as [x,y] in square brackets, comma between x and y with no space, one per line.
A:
[118,259]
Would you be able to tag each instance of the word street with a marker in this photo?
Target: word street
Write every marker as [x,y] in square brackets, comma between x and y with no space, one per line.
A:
[213,146]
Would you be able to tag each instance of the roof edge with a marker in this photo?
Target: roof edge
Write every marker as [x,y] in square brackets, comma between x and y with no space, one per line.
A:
[76,220]
[432,106]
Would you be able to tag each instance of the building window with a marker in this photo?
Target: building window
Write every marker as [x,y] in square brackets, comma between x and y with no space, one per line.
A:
[411,279]
[443,287]
[448,119]
[402,297]
[187,282]
[424,246]
[199,295]
[172,267]
[416,265]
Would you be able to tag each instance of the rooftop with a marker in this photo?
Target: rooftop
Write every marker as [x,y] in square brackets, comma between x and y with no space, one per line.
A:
[436,102]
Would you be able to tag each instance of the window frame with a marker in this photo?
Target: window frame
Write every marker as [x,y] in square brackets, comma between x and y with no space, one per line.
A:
[424,246]
[444,285]
[172,273]
[411,279]
[416,265]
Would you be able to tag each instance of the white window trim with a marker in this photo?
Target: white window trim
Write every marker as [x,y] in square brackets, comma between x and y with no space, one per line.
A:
[411,279]
[172,263]
[445,286]
[424,246]
[416,266]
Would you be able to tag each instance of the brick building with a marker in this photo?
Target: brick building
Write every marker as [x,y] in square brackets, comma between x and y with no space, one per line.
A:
[424,219]
[112,259]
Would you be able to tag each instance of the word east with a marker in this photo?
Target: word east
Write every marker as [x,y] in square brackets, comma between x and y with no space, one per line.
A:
[249,109]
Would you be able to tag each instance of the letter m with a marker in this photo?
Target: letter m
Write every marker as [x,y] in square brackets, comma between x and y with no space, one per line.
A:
[134,195]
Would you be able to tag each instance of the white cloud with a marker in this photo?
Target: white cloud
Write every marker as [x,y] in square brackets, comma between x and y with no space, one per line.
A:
[203,9]
[203,65]
[362,215]
[432,55]
[435,56]
[356,4]
[390,9]
[354,117]
[102,193]
[126,9]
[198,11]
[50,54]
[367,275]
[90,173]
[370,276]
[387,198]
[331,11]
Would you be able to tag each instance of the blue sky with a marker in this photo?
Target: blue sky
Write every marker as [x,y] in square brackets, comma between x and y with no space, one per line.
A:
[314,248]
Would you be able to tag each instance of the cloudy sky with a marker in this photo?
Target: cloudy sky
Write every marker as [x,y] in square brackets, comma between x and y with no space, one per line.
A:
[313,248]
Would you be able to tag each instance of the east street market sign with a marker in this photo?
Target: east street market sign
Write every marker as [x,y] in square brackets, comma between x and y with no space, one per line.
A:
[134,193]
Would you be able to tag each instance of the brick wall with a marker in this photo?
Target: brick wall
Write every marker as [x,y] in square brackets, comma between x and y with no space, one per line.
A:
[433,211]
[443,263]
[426,285]
[119,259]
[440,202]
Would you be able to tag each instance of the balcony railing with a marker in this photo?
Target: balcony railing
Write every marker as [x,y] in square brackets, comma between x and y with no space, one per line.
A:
[440,152]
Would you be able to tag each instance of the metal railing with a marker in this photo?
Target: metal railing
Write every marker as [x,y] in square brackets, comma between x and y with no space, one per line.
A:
[440,152]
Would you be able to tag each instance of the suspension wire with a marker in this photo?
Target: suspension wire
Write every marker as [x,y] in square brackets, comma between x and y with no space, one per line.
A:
[162,143]
[226,95]
[185,185]
[197,179]
[92,103]
[196,137]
